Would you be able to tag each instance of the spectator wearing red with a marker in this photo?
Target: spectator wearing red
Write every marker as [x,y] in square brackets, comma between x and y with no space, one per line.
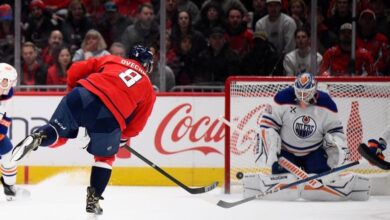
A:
[56,74]
[55,40]
[238,36]
[337,60]
[34,72]
[373,41]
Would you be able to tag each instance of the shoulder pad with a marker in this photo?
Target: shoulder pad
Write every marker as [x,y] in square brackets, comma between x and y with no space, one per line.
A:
[324,100]
[285,96]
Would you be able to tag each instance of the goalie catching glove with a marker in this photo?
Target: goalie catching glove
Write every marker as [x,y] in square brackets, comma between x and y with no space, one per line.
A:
[376,147]
[336,149]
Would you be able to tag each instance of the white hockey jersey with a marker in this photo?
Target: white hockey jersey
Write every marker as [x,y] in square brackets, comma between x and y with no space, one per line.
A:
[302,129]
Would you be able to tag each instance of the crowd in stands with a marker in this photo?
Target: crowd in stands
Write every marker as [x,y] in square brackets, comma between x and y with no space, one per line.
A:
[206,41]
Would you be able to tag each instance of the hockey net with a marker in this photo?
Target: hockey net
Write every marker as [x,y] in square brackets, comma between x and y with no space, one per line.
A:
[363,104]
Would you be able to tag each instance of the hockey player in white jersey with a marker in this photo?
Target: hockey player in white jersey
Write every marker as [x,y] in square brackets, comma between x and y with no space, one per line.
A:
[303,127]
[8,78]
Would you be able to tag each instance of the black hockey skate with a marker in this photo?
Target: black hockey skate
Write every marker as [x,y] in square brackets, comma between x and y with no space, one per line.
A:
[28,144]
[9,190]
[93,205]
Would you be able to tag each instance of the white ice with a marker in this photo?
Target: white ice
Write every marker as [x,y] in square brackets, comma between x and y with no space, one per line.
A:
[62,197]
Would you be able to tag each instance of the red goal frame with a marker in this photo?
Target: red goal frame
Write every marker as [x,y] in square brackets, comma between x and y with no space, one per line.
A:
[232,79]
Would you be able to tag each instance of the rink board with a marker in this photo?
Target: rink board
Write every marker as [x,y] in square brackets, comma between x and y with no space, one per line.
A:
[183,136]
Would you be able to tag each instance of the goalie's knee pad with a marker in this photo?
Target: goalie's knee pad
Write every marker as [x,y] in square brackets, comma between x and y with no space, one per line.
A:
[339,188]
[257,183]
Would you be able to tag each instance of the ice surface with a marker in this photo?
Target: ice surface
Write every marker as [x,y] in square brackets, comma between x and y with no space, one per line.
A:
[63,197]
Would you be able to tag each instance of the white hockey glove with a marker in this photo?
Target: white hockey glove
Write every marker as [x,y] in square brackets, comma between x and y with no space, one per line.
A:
[337,150]
[270,145]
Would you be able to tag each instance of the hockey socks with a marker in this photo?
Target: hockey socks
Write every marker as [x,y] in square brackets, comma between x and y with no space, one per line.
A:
[99,179]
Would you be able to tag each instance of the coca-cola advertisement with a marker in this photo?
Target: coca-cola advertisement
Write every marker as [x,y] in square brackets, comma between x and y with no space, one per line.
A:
[182,131]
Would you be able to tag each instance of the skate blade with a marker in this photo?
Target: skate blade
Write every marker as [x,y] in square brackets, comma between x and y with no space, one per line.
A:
[20,150]
[20,194]
[92,216]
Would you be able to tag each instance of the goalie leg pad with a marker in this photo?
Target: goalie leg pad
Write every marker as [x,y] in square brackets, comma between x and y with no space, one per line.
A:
[256,183]
[339,188]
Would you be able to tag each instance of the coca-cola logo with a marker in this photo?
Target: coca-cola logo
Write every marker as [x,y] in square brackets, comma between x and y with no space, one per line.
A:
[193,130]
[180,126]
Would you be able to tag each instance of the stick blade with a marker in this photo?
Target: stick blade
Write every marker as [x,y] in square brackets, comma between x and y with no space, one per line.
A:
[225,204]
[364,150]
[203,189]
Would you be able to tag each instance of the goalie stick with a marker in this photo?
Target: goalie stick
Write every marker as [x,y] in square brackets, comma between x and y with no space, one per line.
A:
[298,172]
[364,150]
[225,204]
[173,179]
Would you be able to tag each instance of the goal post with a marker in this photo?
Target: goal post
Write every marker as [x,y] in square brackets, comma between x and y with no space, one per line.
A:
[363,107]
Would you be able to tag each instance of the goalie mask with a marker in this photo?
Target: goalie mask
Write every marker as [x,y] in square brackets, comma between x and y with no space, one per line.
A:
[305,87]
[8,76]
[142,55]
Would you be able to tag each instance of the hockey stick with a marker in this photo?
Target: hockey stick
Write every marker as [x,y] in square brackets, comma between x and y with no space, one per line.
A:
[298,172]
[225,204]
[173,179]
[364,150]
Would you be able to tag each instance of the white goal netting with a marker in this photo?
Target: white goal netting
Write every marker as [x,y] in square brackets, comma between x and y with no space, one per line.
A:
[363,105]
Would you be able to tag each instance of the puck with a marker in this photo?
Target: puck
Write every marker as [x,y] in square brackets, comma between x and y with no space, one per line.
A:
[239,175]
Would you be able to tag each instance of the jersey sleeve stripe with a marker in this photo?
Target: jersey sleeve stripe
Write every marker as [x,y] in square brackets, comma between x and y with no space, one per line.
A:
[265,126]
[337,129]
[271,119]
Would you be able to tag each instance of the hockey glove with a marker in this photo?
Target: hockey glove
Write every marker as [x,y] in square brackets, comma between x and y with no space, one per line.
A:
[376,147]
[123,142]
[271,145]
[336,149]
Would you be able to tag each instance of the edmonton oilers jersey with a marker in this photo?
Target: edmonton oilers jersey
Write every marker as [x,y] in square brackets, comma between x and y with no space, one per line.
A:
[302,129]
